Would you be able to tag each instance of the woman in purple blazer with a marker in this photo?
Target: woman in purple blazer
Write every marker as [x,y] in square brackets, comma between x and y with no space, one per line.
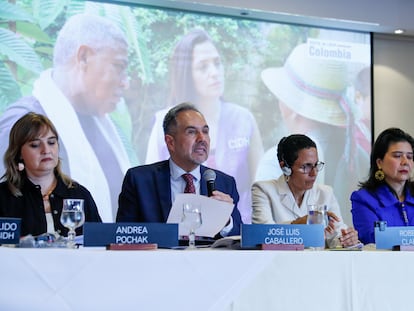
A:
[388,193]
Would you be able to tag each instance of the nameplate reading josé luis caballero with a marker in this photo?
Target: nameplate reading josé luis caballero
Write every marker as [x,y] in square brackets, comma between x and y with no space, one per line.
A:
[283,235]
[307,235]
[9,230]
[102,234]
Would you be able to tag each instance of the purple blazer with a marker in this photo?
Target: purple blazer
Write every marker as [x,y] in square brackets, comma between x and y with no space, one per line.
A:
[380,205]
[146,194]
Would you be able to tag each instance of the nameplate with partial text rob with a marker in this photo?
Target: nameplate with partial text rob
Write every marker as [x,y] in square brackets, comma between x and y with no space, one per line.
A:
[102,234]
[9,230]
[389,237]
[258,234]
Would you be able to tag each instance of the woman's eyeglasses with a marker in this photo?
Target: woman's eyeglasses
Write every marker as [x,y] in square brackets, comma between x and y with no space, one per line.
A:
[307,168]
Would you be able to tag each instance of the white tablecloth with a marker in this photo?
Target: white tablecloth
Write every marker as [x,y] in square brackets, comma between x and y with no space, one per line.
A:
[96,279]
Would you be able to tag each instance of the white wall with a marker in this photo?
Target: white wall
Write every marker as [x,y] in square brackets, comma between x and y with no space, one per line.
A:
[368,15]
[393,83]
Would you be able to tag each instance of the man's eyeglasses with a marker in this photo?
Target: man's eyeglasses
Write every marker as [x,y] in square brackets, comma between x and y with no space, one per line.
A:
[307,168]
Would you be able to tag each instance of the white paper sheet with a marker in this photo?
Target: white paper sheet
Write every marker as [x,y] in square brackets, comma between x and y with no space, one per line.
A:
[214,213]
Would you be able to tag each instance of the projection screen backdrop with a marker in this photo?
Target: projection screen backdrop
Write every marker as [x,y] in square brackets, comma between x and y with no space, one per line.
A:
[263,81]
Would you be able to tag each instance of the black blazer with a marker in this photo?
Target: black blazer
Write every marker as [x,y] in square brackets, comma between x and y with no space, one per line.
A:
[29,207]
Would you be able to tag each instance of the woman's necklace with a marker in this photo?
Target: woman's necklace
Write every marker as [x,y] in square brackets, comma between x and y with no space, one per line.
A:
[46,202]
[49,191]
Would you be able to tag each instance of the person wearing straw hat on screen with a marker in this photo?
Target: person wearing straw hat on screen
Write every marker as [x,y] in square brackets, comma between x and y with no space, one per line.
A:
[309,92]
[310,97]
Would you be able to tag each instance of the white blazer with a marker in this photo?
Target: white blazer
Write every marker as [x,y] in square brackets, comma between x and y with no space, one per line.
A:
[273,202]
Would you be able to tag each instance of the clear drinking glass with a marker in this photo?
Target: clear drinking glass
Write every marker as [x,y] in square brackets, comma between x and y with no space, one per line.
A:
[317,214]
[191,220]
[72,217]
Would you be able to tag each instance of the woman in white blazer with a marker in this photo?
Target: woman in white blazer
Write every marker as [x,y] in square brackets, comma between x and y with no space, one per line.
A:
[285,200]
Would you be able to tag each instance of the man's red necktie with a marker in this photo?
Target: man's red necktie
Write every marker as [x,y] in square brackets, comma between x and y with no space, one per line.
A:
[189,187]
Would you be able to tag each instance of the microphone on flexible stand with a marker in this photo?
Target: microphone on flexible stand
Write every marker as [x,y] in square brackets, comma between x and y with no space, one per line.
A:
[210,177]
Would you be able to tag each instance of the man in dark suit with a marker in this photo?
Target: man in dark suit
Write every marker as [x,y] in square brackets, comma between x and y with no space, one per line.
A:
[149,190]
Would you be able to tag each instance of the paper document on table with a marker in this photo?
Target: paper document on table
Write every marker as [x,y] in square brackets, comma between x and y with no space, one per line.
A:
[214,213]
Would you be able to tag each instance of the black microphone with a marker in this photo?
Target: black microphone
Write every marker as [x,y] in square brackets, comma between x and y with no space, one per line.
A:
[210,177]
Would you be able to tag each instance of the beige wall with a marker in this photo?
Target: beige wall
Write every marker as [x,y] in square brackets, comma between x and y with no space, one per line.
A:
[393,83]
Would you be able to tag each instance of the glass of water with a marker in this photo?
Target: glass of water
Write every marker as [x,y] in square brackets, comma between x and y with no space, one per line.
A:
[72,217]
[317,214]
[191,220]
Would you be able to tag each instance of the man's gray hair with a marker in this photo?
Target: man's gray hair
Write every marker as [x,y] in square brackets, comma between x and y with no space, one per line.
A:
[86,29]
[170,120]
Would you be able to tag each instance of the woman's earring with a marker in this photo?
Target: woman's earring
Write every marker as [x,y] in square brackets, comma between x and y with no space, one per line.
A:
[20,166]
[379,175]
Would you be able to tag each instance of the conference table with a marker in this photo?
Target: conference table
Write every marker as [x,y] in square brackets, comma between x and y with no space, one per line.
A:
[206,279]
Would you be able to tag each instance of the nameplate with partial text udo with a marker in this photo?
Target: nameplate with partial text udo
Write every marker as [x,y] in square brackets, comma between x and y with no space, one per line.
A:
[102,234]
[258,234]
[9,230]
